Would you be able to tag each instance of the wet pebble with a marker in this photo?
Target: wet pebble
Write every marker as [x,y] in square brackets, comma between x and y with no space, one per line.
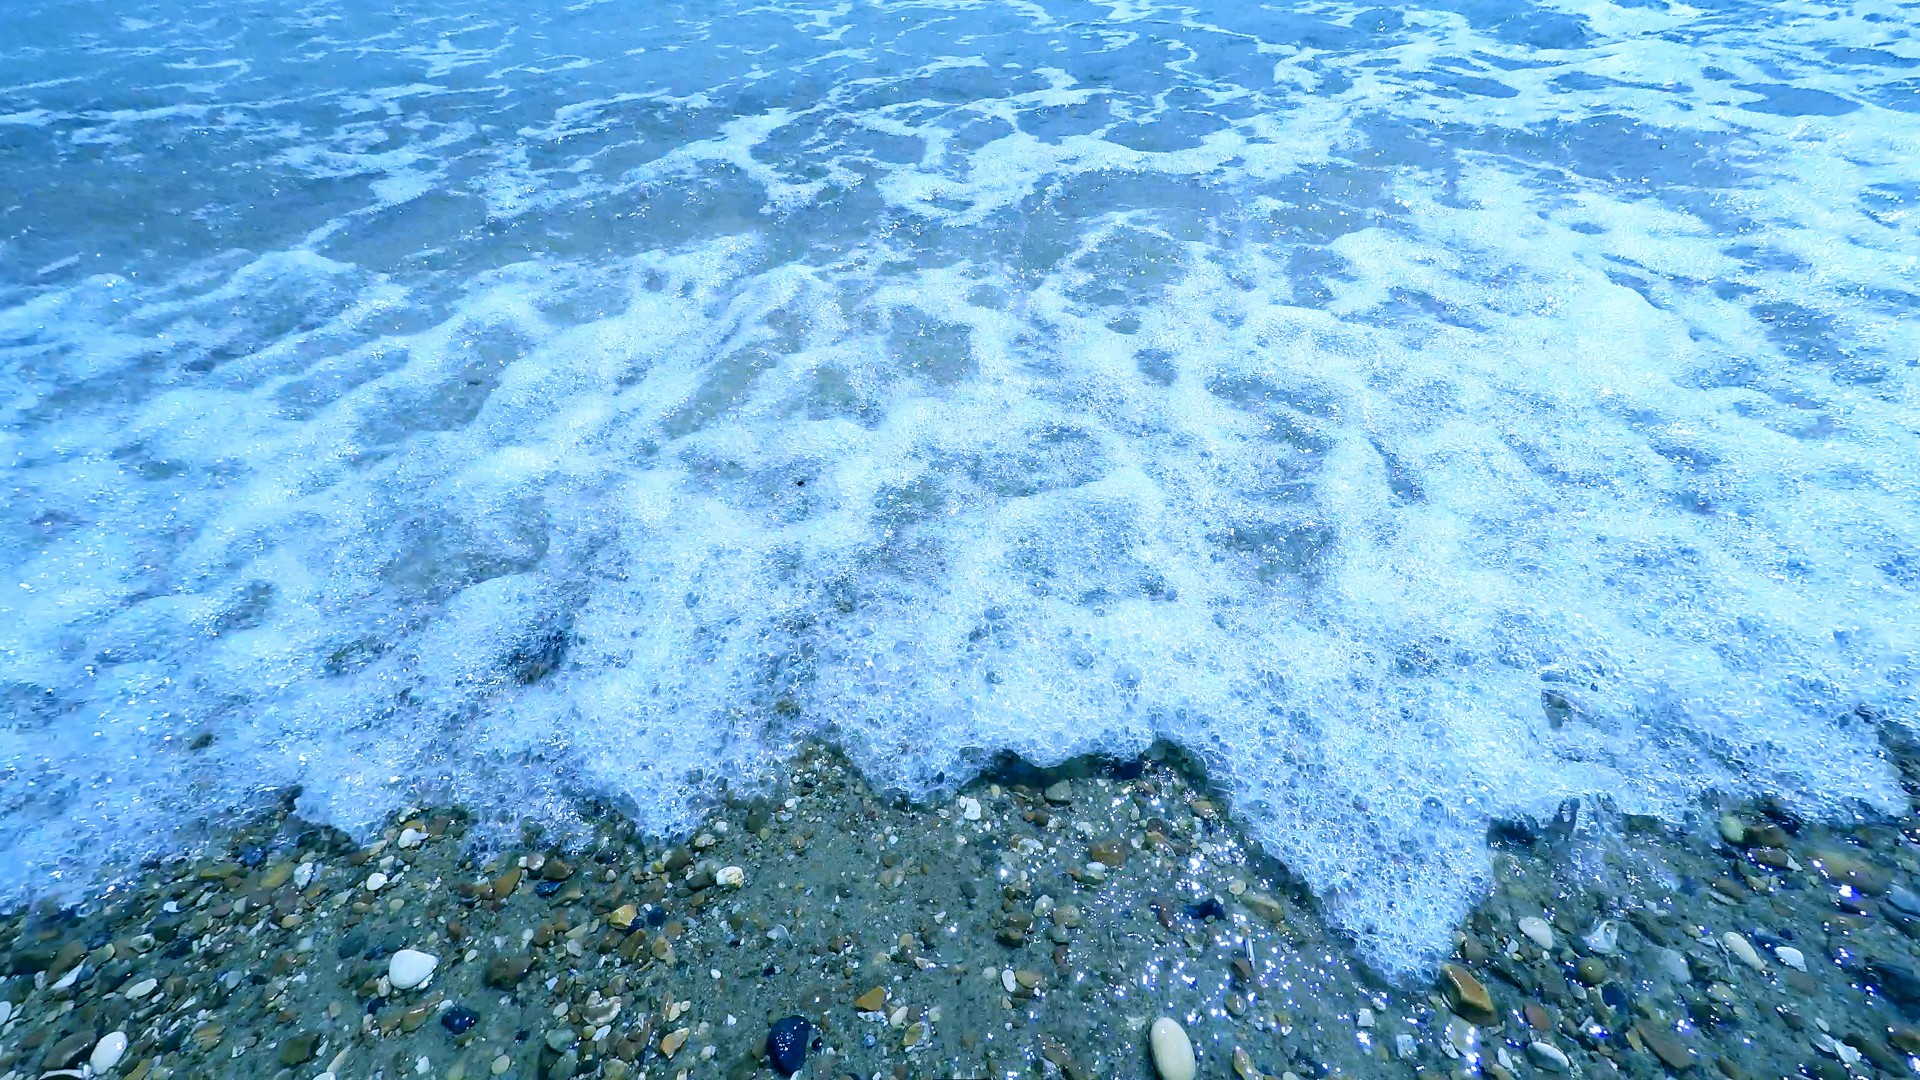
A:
[1172,1050]
[459,1019]
[787,1044]
[409,968]
[1536,930]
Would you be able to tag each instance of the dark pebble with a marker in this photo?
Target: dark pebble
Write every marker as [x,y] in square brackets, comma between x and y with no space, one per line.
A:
[787,1044]
[544,889]
[459,1019]
[657,917]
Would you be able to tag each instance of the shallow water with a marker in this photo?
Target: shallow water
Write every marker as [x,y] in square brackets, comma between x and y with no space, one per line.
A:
[1424,415]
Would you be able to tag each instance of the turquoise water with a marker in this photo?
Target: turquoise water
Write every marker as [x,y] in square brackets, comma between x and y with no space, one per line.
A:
[1424,415]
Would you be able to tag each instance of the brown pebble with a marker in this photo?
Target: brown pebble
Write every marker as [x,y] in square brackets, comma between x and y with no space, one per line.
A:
[871,1000]
[1667,1046]
[1466,996]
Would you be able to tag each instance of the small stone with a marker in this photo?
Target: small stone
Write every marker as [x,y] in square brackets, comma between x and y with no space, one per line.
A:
[730,877]
[672,1041]
[1670,963]
[459,1020]
[1791,957]
[1548,1057]
[1243,1066]
[1466,996]
[1742,949]
[66,1051]
[376,881]
[916,1035]
[556,870]
[411,838]
[871,1001]
[565,1067]
[277,875]
[299,1049]
[140,989]
[303,875]
[1666,1046]
[108,1051]
[970,808]
[1603,938]
[562,1038]
[623,916]
[787,1044]
[410,968]
[1172,1050]
[1732,829]
[1060,793]
[505,972]
[1591,971]
[1537,931]
[1846,867]
[1264,906]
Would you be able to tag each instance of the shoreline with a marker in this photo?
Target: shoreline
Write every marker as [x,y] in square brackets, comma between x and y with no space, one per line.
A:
[1038,922]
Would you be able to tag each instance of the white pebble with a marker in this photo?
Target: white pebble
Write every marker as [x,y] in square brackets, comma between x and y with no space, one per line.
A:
[411,838]
[970,808]
[1008,981]
[376,881]
[1742,949]
[731,877]
[108,1051]
[1791,957]
[1172,1050]
[410,967]
[1537,931]
[140,989]
[303,875]
[6,1011]
[1548,1057]
[1603,937]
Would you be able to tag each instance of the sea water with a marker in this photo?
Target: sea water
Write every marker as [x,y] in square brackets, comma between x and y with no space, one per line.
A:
[1422,415]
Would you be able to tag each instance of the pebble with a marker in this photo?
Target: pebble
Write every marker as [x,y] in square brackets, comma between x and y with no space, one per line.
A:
[787,1044]
[1743,949]
[1060,794]
[1538,932]
[1591,971]
[376,881]
[1671,964]
[1791,957]
[730,877]
[871,1001]
[1548,1057]
[1904,899]
[1732,829]
[411,838]
[1172,1050]
[409,968]
[459,1020]
[140,989]
[1604,937]
[108,1051]
[970,808]
[1466,996]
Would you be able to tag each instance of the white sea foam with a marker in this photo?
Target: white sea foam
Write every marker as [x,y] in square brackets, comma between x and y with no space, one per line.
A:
[1421,420]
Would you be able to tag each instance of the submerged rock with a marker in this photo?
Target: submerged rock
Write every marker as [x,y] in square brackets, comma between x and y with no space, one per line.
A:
[1172,1050]
[787,1044]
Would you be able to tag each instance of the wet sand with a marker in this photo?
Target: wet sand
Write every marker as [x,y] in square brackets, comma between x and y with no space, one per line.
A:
[1034,926]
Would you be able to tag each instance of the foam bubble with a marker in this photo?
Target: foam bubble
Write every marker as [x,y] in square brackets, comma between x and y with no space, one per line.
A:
[1422,419]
